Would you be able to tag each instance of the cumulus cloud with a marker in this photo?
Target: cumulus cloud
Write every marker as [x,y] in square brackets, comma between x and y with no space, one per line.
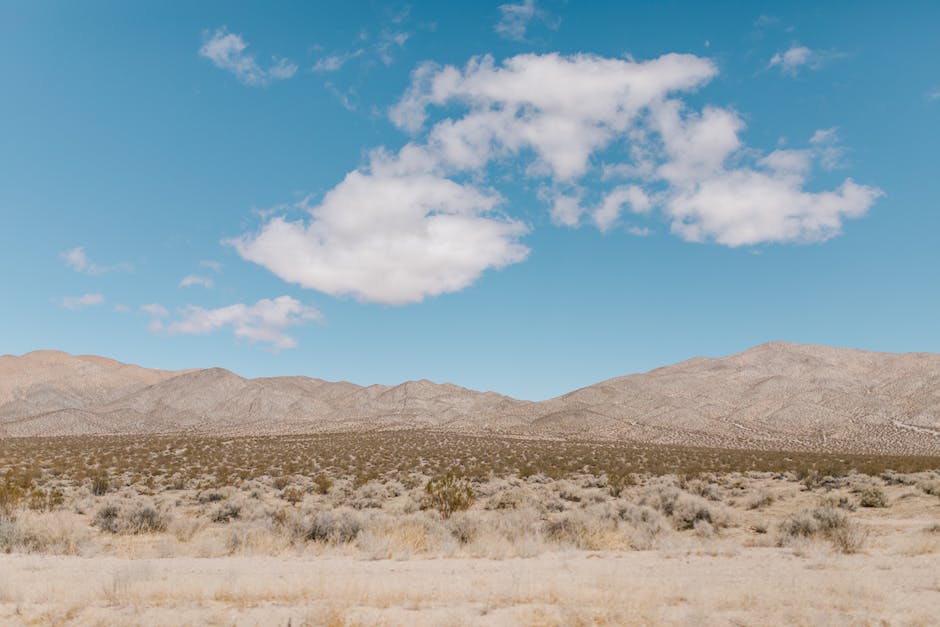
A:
[195,279]
[426,220]
[266,321]
[389,235]
[77,259]
[227,52]
[80,302]
[562,108]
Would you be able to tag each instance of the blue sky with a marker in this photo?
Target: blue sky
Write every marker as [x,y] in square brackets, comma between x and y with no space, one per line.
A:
[523,197]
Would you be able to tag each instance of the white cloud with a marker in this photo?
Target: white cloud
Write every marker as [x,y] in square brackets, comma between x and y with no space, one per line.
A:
[265,321]
[567,209]
[335,62]
[215,266]
[562,108]
[391,236]
[824,136]
[639,231]
[156,310]
[424,220]
[934,94]
[78,260]
[796,58]
[80,302]
[121,308]
[632,196]
[195,279]
[514,19]
[227,51]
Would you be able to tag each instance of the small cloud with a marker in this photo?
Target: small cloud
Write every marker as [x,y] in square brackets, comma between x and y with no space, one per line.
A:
[514,19]
[121,308]
[766,20]
[824,136]
[227,52]
[792,61]
[265,321]
[215,266]
[156,311]
[827,148]
[639,231]
[933,95]
[78,260]
[335,62]
[195,279]
[388,42]
[80,302]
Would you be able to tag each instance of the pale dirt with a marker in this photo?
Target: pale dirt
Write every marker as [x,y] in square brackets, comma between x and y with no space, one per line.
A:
[717,585]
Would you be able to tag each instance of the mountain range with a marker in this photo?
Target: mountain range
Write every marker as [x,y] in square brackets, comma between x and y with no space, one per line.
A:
[779,396]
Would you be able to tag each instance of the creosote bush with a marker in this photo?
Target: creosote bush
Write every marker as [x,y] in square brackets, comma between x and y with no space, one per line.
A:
[447,495]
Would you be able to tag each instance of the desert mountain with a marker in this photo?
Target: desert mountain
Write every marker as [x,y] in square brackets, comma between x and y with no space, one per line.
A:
[774,396]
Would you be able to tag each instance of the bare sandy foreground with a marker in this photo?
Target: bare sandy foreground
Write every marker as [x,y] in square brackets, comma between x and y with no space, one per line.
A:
[716,584]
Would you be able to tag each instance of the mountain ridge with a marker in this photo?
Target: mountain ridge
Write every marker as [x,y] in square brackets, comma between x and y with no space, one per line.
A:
[776,395]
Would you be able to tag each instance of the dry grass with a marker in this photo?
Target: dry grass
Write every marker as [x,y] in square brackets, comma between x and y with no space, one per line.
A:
[325,498]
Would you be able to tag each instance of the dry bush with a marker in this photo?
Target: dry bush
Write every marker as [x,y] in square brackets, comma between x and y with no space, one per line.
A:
[57,533]
[100,485]
[873,496]
[447,495]
[761,499]
[138,518]
[333,527]
[226,513]
[930,486]
[826,523]
[684,509]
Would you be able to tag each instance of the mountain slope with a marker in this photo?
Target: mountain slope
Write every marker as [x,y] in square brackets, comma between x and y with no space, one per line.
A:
[776,395]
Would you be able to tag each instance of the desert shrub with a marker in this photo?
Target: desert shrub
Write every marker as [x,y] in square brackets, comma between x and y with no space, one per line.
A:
[41,500]
[618,482]
[447,495]
[760,500]
[292,494]
[281,482]
[10,497]
[896,478]
[209,497]
[322,483]
[108,518]
[840,501]
[100,485]
[145,519]
[873,496]
[689,510]
[931,487]
[827,523]
[136,520]
[703,489]
[370,495]
[335,527]
[226,513]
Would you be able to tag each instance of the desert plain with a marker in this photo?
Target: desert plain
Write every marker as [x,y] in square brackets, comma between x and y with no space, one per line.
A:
[785,485]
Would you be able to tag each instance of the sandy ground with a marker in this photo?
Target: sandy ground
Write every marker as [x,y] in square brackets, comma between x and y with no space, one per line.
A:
[719,583]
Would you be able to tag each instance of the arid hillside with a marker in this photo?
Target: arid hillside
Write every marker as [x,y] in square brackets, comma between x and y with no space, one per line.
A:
[775,396]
